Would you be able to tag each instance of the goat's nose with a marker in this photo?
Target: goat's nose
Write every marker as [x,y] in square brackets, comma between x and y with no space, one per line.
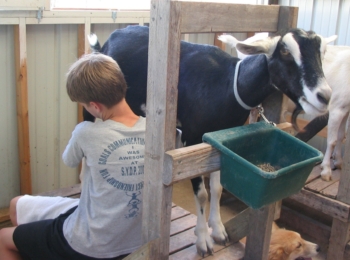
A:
[322,98]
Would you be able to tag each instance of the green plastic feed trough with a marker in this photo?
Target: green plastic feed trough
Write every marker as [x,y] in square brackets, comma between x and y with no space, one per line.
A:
[261,164]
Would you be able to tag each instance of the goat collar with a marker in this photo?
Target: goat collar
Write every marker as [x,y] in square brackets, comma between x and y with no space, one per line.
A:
[238,98]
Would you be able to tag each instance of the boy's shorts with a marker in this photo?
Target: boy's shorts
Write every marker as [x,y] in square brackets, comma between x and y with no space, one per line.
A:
[33,208]
[44,239]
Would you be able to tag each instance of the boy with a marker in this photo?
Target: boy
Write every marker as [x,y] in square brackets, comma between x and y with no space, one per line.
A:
[105,223]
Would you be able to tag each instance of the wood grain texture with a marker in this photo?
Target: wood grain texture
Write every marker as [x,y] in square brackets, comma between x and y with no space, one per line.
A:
[164,38]
[224,17]
[189,162]
[259,232]
[20,41]
[333,208]
[340,236]
[344,182]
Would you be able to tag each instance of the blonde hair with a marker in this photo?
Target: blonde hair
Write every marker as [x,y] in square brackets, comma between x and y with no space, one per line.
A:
[96,77]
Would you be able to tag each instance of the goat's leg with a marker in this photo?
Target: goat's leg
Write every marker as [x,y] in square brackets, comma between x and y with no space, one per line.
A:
[204,242]
[218,230]
[335,118]
[337,157]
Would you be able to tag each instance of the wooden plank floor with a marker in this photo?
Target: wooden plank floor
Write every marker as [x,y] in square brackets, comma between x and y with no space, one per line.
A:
[326,188]
[182,239]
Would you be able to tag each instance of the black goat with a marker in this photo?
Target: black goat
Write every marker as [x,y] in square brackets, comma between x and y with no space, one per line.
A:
[290,62]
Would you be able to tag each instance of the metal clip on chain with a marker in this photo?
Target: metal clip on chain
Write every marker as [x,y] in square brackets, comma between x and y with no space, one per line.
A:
[261,113]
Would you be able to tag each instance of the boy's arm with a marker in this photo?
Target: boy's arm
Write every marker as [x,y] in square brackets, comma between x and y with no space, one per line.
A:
[73,154]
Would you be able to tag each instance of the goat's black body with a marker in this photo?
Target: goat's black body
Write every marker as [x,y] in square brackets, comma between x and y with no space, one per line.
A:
[206,100]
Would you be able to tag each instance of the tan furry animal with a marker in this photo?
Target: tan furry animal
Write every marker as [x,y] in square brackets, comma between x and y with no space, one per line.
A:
[288,245]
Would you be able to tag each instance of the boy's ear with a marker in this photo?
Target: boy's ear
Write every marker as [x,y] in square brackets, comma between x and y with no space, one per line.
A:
[96,105]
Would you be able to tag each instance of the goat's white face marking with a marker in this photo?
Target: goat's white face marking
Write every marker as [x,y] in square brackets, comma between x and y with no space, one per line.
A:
[293,47]
[310,102]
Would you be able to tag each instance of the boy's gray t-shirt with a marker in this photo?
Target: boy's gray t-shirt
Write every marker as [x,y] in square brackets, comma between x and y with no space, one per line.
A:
[107,222]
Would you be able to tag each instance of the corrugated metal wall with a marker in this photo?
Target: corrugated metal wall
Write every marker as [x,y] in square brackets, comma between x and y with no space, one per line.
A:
[52,116]
[9,163]
[325,17]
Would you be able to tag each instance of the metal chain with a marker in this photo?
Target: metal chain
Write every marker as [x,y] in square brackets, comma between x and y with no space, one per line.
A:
[261,113]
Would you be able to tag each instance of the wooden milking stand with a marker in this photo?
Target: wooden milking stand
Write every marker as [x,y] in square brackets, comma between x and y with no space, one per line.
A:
[163,165]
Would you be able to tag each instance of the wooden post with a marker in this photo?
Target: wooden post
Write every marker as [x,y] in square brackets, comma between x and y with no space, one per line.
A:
[340,234]
[260,229]
[83,47]
[161,122]
[275,105]
[22,106]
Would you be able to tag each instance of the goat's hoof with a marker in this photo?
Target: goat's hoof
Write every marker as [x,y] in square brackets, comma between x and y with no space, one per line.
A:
[326,173]
[204,245]
[219,234]
[221,241]
[326,177]
[202,253]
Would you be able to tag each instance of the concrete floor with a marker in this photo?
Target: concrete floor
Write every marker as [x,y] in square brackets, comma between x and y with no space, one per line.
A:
[230,206]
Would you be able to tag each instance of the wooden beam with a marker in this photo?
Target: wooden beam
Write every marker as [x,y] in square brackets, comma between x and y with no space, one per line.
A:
[144,252]
[331,207]
[190,162]
[237,227]
[287,17]
[276,104]
[82,49]
[344,182]
[340,236]
[259,232]
[224,17]
[164,38]
[22,106]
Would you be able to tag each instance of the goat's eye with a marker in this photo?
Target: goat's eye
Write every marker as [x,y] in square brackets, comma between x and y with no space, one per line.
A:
[299,245]
[284,52]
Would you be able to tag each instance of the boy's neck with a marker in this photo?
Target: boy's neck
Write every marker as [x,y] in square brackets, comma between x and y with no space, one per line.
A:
[120,113]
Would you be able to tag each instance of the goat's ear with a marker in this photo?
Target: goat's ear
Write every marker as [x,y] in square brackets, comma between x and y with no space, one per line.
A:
[324,43]
[330,39]
[266,46]
[229,39]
